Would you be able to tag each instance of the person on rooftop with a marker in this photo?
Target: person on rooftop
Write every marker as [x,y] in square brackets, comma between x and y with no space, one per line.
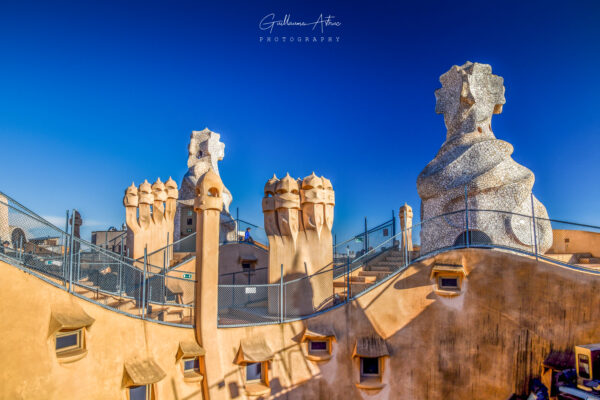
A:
[247,237]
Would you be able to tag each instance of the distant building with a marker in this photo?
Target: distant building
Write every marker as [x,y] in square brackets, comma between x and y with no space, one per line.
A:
[111,239]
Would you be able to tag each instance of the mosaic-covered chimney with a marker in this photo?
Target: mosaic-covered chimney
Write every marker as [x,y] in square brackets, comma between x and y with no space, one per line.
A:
[472,157]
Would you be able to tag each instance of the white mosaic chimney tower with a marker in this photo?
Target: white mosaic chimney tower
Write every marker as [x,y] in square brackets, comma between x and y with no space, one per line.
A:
[471,156]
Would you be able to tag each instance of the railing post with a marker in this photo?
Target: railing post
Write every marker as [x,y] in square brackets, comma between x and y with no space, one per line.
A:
[348,277]
[120,281]
[71,253]
[166,253]
[393,224]
[21,248]
[66,249]
[144,283]
[534,229]
[467,239]
[366,241]
[237,224]
[164,285]
[405,238]
[281,295]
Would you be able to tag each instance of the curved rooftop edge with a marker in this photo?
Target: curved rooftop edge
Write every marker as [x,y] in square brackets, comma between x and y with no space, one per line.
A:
[398,271]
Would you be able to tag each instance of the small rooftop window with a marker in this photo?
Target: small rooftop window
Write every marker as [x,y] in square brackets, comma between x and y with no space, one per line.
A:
[140,392]
[69,340]
[319,341]
[371,353]
[448,279]
[67,327]
[254,355]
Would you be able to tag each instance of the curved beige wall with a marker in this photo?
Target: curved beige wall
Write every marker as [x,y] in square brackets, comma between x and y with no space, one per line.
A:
[30,369]
[485,344]
[229,262]
[572,241]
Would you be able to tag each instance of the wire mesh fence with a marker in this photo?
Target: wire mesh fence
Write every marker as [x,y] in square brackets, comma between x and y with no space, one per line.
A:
[356,270]
[133,287]
[158,291]
[363,242]
[247,276]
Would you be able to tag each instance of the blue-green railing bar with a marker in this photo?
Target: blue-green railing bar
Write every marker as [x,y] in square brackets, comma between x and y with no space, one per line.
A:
[467,217]
[534,227]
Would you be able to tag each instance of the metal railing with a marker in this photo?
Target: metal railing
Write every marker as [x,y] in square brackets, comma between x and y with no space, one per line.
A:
[132,287]
[340,283]
[166,295]
[178,253]
[365,241]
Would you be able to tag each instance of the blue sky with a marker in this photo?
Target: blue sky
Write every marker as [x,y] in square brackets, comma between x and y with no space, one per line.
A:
[94,95]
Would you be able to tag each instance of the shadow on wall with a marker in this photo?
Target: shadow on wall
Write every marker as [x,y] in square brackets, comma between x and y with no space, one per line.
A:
[490,341]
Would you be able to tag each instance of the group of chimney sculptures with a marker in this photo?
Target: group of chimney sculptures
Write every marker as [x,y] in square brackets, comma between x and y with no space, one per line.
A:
[472,168]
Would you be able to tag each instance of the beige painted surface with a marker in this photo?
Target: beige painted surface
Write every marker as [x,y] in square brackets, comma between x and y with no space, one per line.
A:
[484,344]
[30,369]
[298,218]
[571,241]
[230,255]
[150,213]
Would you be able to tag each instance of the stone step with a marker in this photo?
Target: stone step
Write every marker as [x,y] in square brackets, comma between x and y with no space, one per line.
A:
[356,288]
[385,263]
[589,260]
[118,302]
[377,268]
[375,274]
[82,290]
[368,281]
[362,279]
[397,259]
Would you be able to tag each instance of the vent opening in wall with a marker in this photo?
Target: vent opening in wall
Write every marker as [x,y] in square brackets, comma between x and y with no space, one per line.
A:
[370,353]
[448,279]
[319,341]
[69,340]
[254,356]
[475,237]
[143,392]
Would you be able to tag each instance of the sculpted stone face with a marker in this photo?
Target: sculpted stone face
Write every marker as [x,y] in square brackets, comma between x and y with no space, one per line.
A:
[268,205]
[313,199]
[406,216]
[283,199]
[131,196]
[171,189]
[145,193]
[208,192]
[159,192]
[469,95]
[149,213]
[329,200]
[472,165]
[287,204]
[205,150]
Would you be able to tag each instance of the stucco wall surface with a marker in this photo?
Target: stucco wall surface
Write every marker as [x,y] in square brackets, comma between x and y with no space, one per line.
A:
[485,344]
[30,369]
[573,241]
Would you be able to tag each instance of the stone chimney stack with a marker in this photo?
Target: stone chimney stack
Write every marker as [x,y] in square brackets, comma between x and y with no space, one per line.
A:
[208,205]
